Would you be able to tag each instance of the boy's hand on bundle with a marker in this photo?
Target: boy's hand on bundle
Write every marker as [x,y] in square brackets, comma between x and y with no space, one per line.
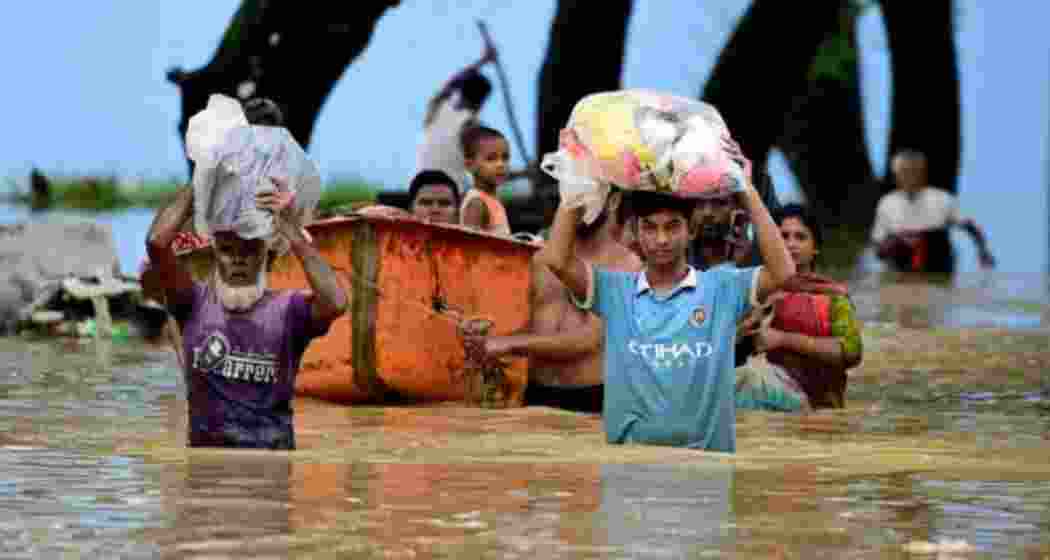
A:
[736,154]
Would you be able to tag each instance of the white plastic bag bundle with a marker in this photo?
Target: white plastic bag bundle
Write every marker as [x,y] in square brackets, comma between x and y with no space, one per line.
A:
[641,140]
[235,161]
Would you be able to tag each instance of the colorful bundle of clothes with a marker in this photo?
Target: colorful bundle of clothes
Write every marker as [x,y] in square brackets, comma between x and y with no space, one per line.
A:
[640,140]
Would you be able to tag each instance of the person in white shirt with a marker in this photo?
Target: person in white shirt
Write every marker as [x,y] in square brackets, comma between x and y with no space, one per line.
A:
[455,107]
[912,222]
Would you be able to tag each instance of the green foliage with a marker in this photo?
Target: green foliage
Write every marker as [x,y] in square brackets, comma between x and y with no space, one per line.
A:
[342,194]
[104,194]
[837,57]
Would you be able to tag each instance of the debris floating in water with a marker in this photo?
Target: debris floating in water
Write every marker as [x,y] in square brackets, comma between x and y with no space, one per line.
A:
[941,546]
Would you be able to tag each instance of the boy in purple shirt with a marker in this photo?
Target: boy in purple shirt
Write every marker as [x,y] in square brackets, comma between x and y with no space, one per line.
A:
[242,342]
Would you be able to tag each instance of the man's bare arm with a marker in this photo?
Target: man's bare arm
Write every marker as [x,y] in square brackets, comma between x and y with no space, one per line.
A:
[559,253]
[983,253]
[167,275]
[567,345]
[330,299]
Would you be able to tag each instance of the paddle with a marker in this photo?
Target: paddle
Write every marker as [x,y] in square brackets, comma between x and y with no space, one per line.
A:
[505,87]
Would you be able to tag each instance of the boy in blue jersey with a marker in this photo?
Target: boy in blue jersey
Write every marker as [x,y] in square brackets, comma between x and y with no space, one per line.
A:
[670,329]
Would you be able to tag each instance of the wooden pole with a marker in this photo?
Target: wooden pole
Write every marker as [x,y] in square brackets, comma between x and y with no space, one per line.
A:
[507,101]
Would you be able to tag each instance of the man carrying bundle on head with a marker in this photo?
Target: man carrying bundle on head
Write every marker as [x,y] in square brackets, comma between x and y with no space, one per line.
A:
[260,111]
[243,342]
[669,329]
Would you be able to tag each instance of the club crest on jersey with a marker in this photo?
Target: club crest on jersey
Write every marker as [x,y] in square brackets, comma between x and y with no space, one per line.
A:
[698,317]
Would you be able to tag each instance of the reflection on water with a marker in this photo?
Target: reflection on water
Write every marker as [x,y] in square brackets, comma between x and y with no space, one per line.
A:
[986,299]
[944,440]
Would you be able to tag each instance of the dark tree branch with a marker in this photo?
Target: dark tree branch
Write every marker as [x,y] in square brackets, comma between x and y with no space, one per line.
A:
[926,106]
[823,137]
[579,62]
[765,66]
[279,50]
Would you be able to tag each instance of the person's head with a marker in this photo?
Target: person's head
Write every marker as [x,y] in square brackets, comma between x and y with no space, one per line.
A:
[663,227]
[614,209]
[240,269]
[802,234]
[434,196]
[263,111]
[474,91]
[714,212]
[712,216]
[487,156]
[909,170]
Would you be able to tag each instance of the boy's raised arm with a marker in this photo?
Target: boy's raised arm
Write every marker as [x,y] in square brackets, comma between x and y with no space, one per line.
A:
[779,266]
[559,254]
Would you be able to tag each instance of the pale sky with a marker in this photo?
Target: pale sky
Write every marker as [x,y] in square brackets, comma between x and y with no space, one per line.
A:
[86,92]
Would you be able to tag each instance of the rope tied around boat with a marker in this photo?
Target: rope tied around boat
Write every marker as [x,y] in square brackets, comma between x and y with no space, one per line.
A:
[485,375]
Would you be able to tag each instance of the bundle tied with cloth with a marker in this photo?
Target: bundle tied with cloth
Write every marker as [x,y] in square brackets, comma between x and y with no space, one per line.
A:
[234,161]
[641,140]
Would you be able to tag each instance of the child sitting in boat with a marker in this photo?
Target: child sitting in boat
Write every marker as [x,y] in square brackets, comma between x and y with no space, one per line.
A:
[487,156]
[813,336]
[670,329]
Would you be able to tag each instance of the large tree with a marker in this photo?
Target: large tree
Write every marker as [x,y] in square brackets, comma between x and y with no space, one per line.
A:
[579,61]
[771,81]
[823,139]
[925,108]
[765,65]
[278,49]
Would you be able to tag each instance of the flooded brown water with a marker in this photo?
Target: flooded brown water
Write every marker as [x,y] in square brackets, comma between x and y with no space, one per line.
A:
[942,452]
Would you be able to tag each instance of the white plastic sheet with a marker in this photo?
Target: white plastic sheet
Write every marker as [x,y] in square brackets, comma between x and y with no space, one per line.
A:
[234,161]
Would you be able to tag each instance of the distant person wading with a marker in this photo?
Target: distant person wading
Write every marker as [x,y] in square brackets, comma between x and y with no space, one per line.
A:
[912,223]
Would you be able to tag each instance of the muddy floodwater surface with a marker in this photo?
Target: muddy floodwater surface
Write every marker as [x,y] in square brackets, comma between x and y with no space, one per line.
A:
[942,452]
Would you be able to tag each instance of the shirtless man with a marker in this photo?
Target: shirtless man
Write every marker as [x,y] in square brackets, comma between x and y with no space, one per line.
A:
[563,342]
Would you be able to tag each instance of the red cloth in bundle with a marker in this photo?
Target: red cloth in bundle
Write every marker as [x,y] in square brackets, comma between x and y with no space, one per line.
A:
[808,314]
[805,308]
[805,305]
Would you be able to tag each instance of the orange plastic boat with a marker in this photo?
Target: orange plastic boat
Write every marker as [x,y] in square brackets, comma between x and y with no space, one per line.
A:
[412,286]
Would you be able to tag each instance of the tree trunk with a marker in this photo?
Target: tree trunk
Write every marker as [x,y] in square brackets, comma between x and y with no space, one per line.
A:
[279,50]
[823,137]
[579,62]
[925,107]
[765,66]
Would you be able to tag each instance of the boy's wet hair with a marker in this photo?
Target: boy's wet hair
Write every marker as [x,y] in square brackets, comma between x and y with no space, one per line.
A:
[472,136]
[644,204]
[432,177]
[804,215]
[263,111]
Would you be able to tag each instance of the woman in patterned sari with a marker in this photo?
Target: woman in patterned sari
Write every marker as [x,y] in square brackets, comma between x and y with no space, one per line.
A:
[808,332]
